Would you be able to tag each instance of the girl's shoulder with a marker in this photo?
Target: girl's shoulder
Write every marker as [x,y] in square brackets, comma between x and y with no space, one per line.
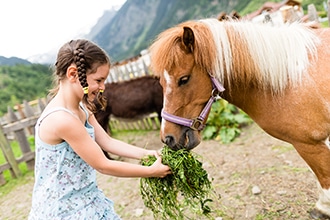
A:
[55,113]
[55,124]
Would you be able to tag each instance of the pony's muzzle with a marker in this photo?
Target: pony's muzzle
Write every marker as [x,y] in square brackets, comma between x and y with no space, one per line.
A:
[170,142]
[188,139]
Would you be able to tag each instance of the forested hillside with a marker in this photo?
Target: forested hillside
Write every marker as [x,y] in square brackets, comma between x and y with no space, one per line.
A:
[23,82]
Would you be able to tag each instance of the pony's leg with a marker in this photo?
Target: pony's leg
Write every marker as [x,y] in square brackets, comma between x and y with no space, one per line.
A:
[103,118]
[322,207]
[106,126]
[318,158]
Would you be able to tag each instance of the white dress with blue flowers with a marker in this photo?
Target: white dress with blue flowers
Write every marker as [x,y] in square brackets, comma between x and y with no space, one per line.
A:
[65,185]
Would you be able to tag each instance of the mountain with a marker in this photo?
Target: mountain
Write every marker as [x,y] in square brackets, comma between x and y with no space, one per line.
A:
[101,23]
[137,22]
[11,61]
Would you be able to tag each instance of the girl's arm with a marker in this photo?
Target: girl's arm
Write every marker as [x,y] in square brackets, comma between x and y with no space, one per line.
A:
[72,130]
[115,146]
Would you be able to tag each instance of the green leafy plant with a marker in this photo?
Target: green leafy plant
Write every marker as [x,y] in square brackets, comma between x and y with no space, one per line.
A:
[187,187]
[224,122]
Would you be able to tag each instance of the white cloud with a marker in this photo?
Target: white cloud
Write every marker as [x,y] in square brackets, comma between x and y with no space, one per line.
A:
[30,27]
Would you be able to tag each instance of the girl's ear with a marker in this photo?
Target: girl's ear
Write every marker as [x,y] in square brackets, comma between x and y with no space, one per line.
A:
[72,72]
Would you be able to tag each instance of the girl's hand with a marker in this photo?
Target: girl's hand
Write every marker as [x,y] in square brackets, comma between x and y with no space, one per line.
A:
[153,153]
[159,169]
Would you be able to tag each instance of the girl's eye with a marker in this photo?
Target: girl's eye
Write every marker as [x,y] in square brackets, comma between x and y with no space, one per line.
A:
[183,80]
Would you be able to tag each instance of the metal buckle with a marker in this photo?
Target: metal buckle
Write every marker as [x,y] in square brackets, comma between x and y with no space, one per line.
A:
[216,94]
[197,123]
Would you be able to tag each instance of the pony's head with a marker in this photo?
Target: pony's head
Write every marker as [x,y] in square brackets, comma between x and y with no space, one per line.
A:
[183,64]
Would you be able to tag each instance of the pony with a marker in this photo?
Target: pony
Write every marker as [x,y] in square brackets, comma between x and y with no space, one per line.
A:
[131,100]
[278,75]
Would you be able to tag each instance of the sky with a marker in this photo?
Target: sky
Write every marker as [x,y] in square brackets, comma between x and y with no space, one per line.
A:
[32,27]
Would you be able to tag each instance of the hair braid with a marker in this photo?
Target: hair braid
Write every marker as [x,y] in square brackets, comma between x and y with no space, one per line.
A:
[79,59]
[80,62]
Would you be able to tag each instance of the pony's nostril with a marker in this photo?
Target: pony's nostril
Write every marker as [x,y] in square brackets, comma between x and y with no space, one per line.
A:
[169,141]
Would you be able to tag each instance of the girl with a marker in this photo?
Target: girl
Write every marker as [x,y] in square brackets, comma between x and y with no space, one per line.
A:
[69,142]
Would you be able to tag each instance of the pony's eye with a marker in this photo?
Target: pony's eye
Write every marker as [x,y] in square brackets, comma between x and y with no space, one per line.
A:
[183,80]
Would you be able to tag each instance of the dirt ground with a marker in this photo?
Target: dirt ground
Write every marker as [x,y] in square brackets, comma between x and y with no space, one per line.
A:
[253,160]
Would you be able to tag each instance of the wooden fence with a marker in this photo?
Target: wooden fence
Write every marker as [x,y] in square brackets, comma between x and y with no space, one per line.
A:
[131,68]
[18,124]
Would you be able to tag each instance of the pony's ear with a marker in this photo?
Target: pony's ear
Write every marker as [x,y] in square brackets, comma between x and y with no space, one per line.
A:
[188,39]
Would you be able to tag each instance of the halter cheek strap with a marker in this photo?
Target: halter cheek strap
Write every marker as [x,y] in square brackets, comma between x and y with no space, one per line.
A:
[197,123]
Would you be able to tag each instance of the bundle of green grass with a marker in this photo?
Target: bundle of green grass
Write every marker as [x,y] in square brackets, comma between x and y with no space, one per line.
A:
[187,188]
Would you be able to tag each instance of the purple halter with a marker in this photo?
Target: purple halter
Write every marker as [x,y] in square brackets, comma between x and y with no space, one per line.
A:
[197,123]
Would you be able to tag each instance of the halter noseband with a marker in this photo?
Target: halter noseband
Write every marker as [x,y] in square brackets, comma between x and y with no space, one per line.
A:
[197,123]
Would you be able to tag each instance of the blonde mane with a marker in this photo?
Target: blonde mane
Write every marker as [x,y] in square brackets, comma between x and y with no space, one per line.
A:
[268,56]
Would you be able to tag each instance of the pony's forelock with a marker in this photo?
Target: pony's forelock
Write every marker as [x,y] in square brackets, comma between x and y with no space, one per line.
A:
[166,51]
[163,51]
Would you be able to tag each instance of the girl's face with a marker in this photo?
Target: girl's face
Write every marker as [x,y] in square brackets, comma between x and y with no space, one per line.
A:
[96,81]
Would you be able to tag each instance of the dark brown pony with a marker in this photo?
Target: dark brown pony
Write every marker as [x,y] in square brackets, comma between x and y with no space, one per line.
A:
[131,100]
[279,75]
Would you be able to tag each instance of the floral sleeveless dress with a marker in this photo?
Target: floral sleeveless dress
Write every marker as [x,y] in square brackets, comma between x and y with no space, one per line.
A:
[65,185]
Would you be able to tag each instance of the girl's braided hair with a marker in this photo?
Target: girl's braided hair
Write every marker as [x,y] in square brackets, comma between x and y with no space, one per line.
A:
[88,57]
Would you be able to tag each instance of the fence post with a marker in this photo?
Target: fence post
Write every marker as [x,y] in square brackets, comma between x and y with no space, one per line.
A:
[118,76]
[41,105]
[312,13]
[146,71]
[28,113]
[329,13]
[126,73]
[9,155]
[21,138]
